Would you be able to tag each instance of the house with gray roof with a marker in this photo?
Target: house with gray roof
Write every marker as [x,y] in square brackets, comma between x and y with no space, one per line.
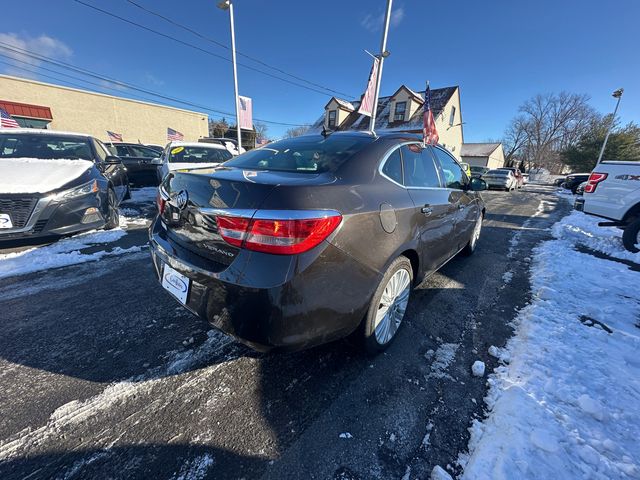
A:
[490,155]
[401,112]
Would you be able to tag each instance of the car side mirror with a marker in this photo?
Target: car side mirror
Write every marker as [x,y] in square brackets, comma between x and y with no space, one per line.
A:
[477,184]
[112,160]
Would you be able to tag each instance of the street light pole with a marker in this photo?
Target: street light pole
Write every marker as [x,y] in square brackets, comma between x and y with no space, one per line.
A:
[617,94]
[228,5]
[383,54]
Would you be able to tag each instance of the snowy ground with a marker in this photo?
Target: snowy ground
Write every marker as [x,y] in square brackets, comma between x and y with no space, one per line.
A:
[564,402]
[87,246]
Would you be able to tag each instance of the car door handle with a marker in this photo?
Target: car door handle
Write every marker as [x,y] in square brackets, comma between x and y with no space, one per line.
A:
[427,210]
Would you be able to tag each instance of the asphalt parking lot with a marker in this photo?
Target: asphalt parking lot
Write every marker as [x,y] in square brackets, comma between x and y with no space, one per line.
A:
[103,374]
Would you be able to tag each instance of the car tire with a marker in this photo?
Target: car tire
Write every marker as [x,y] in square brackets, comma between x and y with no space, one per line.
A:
[631,236]
[475,236]
[388,306]
[113,218]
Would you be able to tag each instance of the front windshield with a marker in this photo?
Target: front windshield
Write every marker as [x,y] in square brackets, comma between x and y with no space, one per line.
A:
[309,154]
[52,147]
[186,154]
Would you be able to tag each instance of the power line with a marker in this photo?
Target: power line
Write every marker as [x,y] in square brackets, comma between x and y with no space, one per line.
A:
[67,66]
[222,45]
[195,47]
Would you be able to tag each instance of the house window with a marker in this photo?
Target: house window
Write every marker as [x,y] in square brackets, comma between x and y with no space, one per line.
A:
[332,118]
[452,117]
[401,108]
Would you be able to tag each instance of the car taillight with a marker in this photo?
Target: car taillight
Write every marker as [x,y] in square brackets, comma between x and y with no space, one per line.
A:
[280,236]
[160,202]
[594,179]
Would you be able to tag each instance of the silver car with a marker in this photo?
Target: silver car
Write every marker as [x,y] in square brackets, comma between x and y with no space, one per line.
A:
[501,179]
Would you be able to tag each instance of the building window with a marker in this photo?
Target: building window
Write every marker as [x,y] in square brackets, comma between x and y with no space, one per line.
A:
[401,108]
[452,117]
[332,119]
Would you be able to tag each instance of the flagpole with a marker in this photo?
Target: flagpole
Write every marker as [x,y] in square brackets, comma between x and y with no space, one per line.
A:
[224,5]
[424,133]
[383,54]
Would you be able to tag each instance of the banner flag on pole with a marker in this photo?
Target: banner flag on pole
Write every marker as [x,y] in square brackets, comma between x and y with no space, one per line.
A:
[114,137]
[246,114]
[366,106]
[429,132]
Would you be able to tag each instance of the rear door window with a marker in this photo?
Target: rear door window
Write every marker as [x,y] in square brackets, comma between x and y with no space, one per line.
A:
[419,169]
[393,167]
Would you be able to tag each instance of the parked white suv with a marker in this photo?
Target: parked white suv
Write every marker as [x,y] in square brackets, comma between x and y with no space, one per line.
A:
[613,193]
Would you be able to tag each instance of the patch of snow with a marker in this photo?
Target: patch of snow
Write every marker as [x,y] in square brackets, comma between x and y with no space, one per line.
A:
[142,195]
[477,368]
[426,440]
[507,277]
[444,355]
[439,473]
[35,175]
[62,253]
[345,435]
[566,405]
[195,469]
[407,473]
[582,229]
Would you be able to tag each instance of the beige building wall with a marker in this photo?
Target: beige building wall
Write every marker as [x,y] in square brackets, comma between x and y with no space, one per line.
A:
[451,136]
[94,113]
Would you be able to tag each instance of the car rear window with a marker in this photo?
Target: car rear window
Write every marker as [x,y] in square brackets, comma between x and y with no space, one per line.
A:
[499,172]
[186,154]
[50,147]
[308,154]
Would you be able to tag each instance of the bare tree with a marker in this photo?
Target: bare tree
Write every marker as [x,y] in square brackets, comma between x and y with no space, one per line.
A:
[546,125]
[261,130]
[296,131]
[217,128]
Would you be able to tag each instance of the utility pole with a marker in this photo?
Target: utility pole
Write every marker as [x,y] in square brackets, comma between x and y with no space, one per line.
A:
[382,55]
[617,94]
[228,5]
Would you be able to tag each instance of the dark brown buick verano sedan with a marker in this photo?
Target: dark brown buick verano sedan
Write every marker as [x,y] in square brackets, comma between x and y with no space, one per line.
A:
[313,238]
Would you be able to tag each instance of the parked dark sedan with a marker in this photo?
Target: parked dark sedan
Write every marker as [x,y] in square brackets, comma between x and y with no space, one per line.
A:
[573,181]
[142,162]
[309,239]
[55,183]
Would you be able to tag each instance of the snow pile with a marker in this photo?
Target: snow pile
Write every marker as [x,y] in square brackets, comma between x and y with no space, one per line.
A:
[583,229]
[62,253]
[345,435]
[566,405]
[477,368]
[439,473]
[142,195]
[34,175]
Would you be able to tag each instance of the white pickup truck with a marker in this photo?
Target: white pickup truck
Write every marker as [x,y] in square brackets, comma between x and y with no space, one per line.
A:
[613,193]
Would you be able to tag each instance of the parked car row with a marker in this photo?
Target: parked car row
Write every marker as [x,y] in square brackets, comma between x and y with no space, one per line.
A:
[612,192]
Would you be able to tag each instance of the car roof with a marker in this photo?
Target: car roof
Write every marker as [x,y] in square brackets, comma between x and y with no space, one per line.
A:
[41,131]
[179,143]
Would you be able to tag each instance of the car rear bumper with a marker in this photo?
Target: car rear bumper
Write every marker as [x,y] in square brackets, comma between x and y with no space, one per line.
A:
[272,301]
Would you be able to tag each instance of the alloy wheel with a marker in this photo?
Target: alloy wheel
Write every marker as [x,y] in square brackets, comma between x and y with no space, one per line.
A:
[392,306]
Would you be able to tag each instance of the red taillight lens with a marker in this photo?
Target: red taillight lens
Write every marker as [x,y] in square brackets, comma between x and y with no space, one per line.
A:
[160,203]
[278,236]
[232,229]
[594,179]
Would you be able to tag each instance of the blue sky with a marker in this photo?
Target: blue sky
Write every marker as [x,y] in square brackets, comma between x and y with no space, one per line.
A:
[500,52]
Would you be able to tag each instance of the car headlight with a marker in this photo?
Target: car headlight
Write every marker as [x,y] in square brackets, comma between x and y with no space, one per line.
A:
[85,189]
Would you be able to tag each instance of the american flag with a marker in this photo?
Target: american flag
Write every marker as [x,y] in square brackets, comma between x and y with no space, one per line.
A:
[174,135]
[246,114]
[6,120]
[114,137]
[429,132]
[366,106]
